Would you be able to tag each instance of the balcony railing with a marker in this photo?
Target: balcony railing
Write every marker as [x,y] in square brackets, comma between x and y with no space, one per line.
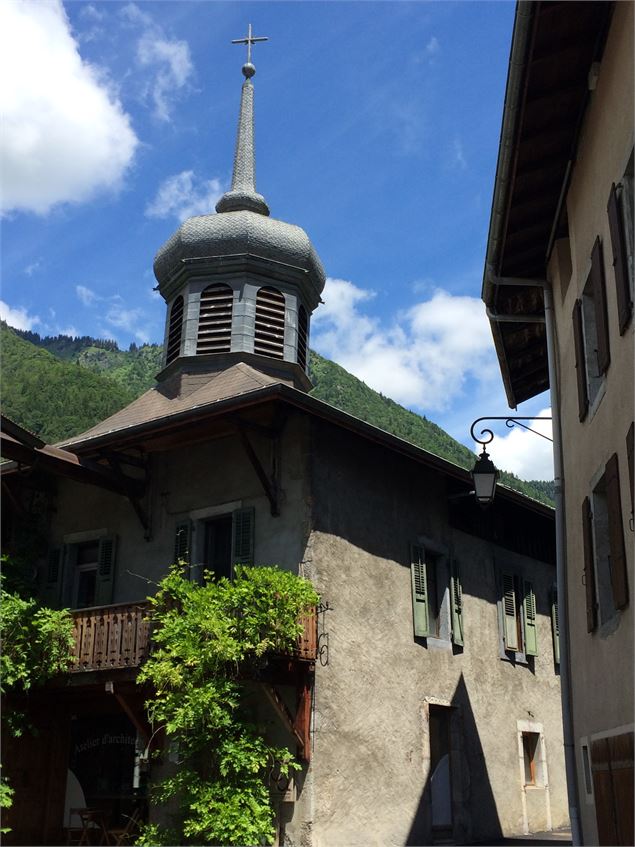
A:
[119,637]
[110,637]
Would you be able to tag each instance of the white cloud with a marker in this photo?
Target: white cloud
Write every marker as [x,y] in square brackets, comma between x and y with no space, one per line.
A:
[65,134]
[130,320]
[458,156]
[86,295]
[33,267]
[116,314]
[433,46]
[179,196]
[18,318]
[524,453]
[168,60]
[422,359]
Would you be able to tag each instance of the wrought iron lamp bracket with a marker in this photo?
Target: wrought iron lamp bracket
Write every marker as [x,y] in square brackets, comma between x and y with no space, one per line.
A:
[487,435]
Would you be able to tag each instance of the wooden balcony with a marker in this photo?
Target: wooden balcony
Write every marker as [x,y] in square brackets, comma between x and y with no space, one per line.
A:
[118,636]
[110,637]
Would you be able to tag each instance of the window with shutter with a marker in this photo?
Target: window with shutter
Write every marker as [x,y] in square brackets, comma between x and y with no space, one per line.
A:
[105,571]
[580,361]
[215,319]
[619,244]
[630,461]
[269,323]
[456,600]
[53,583]
[599,306]
[182,542]
[303,331]
[419,585]
[243,537]
[555,625]
[511,628]
[617,560]
[589,566]
[529,606]
[175,329]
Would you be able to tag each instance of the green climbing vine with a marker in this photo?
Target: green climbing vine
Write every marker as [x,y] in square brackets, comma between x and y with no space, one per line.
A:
[209,639]
[36,644]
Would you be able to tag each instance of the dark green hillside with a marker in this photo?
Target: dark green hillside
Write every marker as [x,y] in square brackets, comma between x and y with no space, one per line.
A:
[53,398]
[133,369]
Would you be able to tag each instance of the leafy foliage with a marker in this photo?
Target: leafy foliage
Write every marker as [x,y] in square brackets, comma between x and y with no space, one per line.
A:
[36,641]
[207,640]
[6,800]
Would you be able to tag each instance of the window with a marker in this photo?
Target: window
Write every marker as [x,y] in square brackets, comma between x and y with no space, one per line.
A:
[81,574]
[605,574]
[269,324]
[215,319]
[437,597]
[531,742]
[517,614]
[591,334]
[303,332]
[175,326]
[215,542]
[586,766]
[621,222]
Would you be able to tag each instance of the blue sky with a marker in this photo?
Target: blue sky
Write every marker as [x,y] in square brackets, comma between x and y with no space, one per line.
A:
[377,129]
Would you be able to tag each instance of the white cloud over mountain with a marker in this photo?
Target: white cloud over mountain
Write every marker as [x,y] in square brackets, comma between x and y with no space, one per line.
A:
[65,134]
[422,359]
[18,318]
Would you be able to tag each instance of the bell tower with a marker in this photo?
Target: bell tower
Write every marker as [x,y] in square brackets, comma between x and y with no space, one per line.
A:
[239,285]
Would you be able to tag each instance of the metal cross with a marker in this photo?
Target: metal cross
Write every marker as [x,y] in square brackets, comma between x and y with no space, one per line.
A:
[249,40]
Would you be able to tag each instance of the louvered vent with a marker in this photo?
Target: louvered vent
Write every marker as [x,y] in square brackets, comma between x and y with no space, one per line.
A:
[174,331]
[303,326]
[269,329]
[215,320]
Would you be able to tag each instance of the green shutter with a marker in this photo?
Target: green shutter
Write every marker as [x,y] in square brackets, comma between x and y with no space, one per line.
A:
[53,580]
[456,600]
[105,571]
[243,537]
[69,565]
[420,614]
[555,624]
[182,542]
[510,630]
[531,639]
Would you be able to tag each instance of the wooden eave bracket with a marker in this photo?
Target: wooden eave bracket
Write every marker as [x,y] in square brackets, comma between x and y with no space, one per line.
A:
[269,483]
[132,489]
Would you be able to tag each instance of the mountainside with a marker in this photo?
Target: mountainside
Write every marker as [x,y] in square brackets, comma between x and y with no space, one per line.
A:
[52,397]
[59,386]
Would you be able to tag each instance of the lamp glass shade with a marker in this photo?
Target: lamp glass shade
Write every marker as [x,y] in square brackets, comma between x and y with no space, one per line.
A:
[484,476]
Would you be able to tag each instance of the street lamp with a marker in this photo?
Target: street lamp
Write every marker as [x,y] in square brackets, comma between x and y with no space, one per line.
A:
[485,473]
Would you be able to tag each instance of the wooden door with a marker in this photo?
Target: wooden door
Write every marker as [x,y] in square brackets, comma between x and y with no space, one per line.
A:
[612,765]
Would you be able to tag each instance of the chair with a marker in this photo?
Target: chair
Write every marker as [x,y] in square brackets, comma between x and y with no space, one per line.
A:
[123,835]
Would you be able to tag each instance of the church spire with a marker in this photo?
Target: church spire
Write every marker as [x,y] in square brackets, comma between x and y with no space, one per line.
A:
[243,195]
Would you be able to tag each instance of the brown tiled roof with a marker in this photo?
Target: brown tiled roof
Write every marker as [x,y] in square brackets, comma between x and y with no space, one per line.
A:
[194,390]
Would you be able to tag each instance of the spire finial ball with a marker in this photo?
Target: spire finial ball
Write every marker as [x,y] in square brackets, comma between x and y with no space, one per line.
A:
[248,70]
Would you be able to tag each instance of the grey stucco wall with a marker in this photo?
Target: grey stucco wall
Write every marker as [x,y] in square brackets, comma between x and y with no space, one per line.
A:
[368,782]
[183,481]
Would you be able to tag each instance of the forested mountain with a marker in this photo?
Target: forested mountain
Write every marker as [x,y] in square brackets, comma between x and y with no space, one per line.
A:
[53,397]
[59,386]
